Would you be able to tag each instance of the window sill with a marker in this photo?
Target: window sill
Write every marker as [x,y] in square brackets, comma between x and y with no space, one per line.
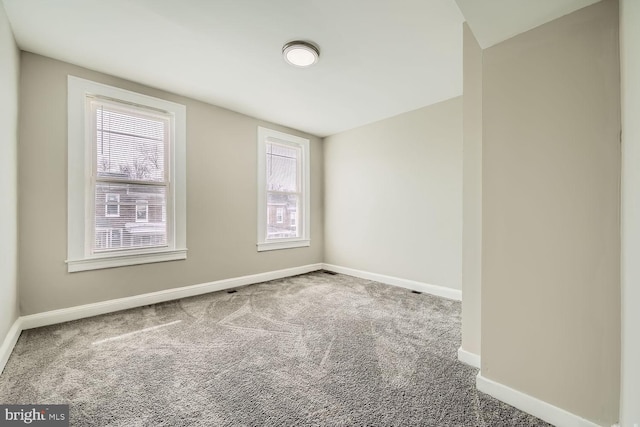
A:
[111,261]
[288,244]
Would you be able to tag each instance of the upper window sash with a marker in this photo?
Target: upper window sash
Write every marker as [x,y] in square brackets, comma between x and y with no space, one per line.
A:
[95,102]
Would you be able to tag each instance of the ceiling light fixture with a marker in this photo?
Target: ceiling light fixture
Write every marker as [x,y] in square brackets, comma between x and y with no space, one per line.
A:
[300,54]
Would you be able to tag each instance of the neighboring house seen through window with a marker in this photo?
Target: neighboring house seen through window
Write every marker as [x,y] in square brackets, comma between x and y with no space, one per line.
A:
[284,190]
[135,177]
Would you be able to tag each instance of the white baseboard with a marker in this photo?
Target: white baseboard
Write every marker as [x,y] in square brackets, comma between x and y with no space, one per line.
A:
[110,306]
[441,291]
[9,342]
[103,307]
[469,358]
[531,405]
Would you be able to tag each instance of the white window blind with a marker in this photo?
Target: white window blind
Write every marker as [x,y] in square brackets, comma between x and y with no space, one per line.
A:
[283,195]
[131,176]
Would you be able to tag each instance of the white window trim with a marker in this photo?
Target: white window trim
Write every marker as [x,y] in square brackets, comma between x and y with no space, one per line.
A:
[304,220]
[80,196]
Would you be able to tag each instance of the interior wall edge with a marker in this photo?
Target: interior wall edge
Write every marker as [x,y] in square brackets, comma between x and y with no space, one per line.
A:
[9,122]
[471,279]
[629,411]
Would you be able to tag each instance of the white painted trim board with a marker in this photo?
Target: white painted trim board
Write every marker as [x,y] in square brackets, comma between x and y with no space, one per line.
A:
[531,405]
[515,398]
[110,306]
[9,342]
[441,291]
[469,358]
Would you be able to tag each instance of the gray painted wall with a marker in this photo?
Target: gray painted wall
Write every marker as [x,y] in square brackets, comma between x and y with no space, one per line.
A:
[471,193]
[221,198]
[9,82]
[394,196]
[551,205]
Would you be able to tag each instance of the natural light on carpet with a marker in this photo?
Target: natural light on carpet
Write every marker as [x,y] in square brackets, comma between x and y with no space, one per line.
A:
[151,328]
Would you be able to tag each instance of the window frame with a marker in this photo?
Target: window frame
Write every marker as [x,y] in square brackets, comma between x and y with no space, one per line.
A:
[81,179]
[303,225]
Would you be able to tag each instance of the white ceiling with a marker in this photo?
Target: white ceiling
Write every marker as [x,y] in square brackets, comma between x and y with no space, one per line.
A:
[379,58]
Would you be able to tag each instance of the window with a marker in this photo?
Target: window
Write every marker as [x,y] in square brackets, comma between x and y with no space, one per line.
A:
[283,190]
[127,186]
[112,205]
[142,212]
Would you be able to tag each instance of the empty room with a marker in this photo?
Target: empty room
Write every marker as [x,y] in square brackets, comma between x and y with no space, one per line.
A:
[320,213]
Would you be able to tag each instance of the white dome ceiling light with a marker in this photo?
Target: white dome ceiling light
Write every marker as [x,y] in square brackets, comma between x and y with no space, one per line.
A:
[300,54]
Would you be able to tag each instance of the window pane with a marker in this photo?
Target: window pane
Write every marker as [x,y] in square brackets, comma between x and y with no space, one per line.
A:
[141,221]
[112,207]
[282,214]
[129,146]
[142,211]
[112,210]
[282,167]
